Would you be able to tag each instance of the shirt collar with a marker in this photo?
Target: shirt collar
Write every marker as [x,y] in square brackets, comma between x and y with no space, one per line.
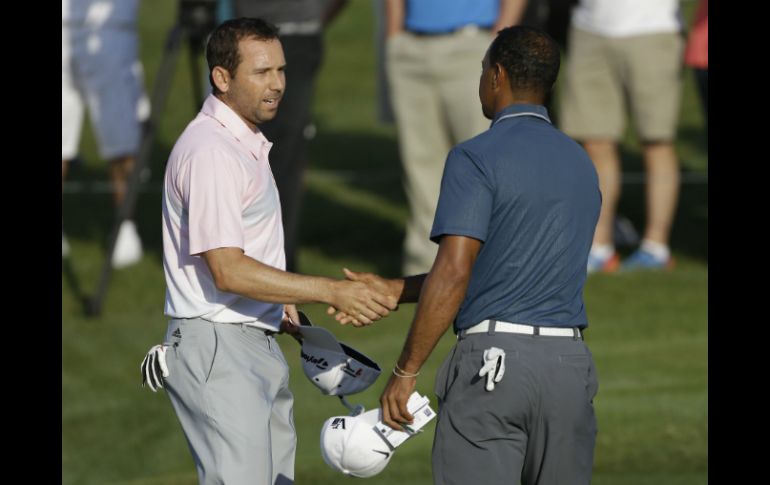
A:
[256,143]
[516,110]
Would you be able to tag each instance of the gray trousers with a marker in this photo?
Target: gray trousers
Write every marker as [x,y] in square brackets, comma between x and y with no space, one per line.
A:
[434,85]
[537,426]
[228,384]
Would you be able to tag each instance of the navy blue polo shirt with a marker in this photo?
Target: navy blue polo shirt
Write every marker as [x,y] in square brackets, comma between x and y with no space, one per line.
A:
[531,195]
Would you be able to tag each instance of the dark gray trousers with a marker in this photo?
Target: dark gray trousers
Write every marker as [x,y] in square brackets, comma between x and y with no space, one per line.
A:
[537,427]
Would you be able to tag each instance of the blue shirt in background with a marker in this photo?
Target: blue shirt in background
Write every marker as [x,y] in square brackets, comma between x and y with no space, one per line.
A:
[440,16]
[531,195]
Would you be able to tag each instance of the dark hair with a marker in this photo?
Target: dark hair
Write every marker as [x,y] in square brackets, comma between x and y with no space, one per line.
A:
[529,56]
[222,47]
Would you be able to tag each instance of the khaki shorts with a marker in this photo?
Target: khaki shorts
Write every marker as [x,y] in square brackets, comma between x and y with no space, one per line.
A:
[100,71]
[604,75]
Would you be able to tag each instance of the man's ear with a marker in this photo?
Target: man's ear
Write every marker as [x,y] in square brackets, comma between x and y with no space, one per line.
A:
[498,77]
[221,78]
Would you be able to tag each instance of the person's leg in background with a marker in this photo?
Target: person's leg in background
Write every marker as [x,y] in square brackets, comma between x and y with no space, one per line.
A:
[460,76]
[592,111]
[604,154]
[655,84]
[128,246]
[115,98]
[71,115]
[433,113]
[661,193]
[423,141]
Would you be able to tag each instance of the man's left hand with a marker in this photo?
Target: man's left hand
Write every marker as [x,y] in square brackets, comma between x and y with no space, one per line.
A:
[290,321]
[393,401]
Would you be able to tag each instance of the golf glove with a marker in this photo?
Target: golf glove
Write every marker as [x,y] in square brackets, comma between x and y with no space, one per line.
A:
[154,367]
[494,366]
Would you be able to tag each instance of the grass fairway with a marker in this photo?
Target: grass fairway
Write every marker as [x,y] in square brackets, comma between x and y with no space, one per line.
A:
[648,333]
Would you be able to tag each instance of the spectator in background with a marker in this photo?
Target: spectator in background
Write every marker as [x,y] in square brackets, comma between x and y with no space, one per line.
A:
[627,52]
[697,53]
[553,16]
[300,26]
[101,70]
[432,57]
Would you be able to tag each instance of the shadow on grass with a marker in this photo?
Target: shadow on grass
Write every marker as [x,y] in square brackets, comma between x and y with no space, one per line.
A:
[342,230]
[373,158]
[90,215]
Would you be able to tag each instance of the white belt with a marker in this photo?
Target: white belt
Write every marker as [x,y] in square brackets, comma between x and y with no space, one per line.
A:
[506,327]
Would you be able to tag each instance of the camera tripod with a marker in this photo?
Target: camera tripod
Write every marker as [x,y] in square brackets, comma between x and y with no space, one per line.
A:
[195,20]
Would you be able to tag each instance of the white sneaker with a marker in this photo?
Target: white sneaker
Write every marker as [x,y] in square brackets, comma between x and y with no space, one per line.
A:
[65,246]
[128,247]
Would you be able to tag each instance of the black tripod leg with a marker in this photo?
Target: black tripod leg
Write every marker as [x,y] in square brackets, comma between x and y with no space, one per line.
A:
[195,47]
[93,305]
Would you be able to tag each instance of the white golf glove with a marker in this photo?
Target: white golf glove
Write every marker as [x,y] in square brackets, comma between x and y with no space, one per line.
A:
[154,367]
[494,366]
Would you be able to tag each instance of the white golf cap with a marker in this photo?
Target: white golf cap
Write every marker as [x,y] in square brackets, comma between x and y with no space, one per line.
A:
[335,368]
[350,444]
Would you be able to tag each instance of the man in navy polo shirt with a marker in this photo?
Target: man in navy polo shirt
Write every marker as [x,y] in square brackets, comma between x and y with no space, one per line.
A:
[514,224]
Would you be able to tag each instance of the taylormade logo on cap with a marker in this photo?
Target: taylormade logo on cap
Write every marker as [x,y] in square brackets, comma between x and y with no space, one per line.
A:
[319,362]
[335,368]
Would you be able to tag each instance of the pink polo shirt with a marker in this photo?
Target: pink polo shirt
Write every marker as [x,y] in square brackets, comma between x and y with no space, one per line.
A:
[219,192]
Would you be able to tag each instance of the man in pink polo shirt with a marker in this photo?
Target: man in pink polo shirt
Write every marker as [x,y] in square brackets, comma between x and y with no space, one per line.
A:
[227,291]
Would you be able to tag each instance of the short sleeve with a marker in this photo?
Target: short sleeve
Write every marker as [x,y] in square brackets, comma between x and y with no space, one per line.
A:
[465,202]
[212,191]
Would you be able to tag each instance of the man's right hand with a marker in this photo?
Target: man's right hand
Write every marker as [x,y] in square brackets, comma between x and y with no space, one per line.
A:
[388,291]
[362,300]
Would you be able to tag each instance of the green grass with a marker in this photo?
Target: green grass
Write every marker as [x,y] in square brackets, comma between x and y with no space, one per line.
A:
[648,333]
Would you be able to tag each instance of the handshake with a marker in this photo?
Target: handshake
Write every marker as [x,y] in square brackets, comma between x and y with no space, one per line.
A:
[364,298]
[361,299]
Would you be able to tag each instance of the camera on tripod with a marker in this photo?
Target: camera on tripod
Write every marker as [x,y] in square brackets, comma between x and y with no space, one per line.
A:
[198,17]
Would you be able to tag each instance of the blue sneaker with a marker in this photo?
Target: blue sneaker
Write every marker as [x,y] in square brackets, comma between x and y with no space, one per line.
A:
[608,264]
[641,260]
